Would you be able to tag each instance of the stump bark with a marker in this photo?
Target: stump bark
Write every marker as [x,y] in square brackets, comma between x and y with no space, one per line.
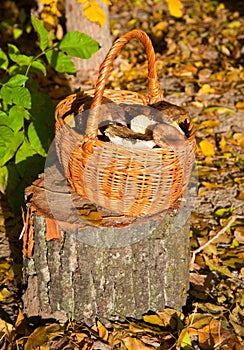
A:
[105,272]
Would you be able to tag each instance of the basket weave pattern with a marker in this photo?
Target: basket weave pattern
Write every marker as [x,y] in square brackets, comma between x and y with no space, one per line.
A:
[133,182]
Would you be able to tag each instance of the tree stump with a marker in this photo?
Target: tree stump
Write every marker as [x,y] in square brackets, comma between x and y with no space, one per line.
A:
[104,272]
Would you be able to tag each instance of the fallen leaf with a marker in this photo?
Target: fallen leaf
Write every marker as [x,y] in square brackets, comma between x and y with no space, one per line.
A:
[102,331]
[132,343]
[206,89]
[218,268]
[153,319]
[184,340]
[236,319]
[207,148]
[94,12]
[219,110]
[239,138]
[42,335]
[175,8]
[240,105]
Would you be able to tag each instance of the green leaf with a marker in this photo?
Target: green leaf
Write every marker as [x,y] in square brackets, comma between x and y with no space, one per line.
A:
[60,62]
[35,140]
[38,65]
[224,212]
[17,32]
[17,57]
[78,44]
[13,50]
[185,340]
[17,80]
[9,143]
[42,112]
[4,119]
[22,97]
[24,152]
[6,93]
[16,118]
[41,31]
[3,178]
[3,60]
[28,163]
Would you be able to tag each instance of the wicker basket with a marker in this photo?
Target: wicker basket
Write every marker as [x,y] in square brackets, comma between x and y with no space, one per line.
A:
[131,182]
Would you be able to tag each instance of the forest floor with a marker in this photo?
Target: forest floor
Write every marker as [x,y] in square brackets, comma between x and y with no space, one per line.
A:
[200,67]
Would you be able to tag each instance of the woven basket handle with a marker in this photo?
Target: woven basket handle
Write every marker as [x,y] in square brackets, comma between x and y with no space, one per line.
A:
[154,91]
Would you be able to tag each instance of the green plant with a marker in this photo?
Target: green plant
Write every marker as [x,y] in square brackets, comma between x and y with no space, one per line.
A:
[26,114]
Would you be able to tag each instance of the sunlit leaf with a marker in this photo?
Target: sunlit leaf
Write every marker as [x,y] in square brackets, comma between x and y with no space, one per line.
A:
[38,65]
[239,138]
[206,89]
[41,31]
[102,331]
[60,62]
[42,335]
[207,148]
[154,319]
[224,212]
[210,123]
[3,60]
[78,44]
[184,340]
[17,80]
[16,117]
[240,105]
[9,143]
[175,8]
[218,268]
[136,344]
[219,110]
[94,12]
[35,140]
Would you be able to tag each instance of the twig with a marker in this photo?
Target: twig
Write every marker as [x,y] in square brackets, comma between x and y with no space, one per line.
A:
[223,230]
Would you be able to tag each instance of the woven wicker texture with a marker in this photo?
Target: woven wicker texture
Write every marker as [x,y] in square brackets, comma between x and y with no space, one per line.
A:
[132,182]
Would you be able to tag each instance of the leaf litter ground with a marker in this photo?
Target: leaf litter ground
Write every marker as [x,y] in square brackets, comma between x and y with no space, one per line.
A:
[200,67]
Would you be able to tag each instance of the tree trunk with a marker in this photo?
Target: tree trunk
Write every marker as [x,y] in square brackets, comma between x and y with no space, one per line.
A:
[75,20]
[104,272]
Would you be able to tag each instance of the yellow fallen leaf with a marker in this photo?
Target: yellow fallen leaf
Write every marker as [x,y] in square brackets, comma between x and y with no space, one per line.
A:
[175,8]
[239,138]
[207,148]
[240,105]
[219,110]
[102,331]
[94,12]
[159,26]
[5,294]
[154,319]
[223,145]
[210,123]
[206,89]
[42,335]
[136,344]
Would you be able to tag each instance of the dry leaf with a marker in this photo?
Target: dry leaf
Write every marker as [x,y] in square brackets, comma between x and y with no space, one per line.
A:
[136,344]
[42,335]
[154,319]
[175,8]
[207,148]
[240,105]
[206,89]
[94,12]
[102,331]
